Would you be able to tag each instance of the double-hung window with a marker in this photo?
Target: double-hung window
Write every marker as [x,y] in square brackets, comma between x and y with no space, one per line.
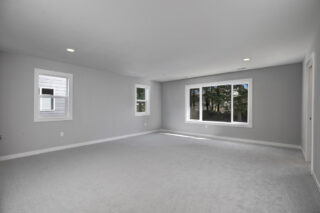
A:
[226,103]
[142,100]
[52,95]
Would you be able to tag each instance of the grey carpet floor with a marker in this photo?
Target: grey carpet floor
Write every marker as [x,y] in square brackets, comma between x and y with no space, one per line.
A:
[160,173]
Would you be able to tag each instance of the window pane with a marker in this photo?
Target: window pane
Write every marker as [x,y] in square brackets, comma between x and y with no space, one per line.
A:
[141,94]
[59,109]
[216,103]
[141,106]
[58,84]
[57,105]
[46,104]
[240,103]
[194,104]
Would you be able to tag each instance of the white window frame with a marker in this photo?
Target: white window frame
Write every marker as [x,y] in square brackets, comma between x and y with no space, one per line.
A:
[37,95]
[218,123]
[147,100]
[49,96]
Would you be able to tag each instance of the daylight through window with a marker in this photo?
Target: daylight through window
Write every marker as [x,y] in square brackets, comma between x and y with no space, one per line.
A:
[52,96]
[142,103]
[224,103]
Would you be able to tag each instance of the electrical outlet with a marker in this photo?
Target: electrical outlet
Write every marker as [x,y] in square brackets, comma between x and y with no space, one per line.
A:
[61,134]
[206,126]
[145,124]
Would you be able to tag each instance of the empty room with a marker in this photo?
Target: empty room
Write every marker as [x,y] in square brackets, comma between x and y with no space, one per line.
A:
[160,106]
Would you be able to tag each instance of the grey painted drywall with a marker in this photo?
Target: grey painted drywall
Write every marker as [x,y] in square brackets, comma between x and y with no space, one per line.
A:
[276,105]
[316,133]
[103,106]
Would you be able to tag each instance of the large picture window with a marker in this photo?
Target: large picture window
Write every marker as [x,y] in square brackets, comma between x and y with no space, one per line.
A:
[52,96]
[220,103]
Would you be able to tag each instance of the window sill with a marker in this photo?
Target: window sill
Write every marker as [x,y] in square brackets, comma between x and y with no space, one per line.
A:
[142,114]
[52,119]
[234,124]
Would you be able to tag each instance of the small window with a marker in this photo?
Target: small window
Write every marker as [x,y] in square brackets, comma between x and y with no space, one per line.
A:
[220,103]
[52,96]
[142,100]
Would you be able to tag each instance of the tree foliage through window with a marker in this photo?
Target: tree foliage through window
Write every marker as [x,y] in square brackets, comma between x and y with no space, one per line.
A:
[240,103]
[194,104]
[216,103]
[225,102]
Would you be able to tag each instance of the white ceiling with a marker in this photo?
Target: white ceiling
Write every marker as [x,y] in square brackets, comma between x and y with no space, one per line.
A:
[161,39]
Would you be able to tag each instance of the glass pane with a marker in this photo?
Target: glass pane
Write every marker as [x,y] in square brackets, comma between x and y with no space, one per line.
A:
[141,106]
[194,104]
[58,84]
[60,107]
[53,96]
[141,93]
[216,103]
[240,103]
[46,104]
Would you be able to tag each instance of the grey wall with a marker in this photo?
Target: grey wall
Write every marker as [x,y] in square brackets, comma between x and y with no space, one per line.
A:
[103,106]
[277,93]
[316,146]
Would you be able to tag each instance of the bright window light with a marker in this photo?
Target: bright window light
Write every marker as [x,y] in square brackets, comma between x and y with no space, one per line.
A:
[52,96]
[184,136]
[226,103]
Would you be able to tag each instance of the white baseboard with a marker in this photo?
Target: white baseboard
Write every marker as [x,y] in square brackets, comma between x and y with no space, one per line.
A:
[315,179]
[241,140]
[70,146]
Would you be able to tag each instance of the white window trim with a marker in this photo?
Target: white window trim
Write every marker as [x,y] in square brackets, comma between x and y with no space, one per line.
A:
[36,108]
[218,123]
[147,100]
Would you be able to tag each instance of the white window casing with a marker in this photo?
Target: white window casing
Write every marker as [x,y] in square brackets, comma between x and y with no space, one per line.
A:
[62,85]
[145,101]
[247,124]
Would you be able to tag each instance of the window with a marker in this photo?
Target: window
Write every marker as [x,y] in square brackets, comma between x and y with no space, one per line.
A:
[142,100]
[220,103]
[52,96]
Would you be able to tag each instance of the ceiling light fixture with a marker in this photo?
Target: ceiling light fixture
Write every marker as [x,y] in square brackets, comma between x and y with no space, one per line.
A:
[246,59]
[70,50]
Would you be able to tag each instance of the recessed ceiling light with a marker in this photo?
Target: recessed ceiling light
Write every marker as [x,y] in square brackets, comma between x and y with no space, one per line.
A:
[70,50]
[246,59]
